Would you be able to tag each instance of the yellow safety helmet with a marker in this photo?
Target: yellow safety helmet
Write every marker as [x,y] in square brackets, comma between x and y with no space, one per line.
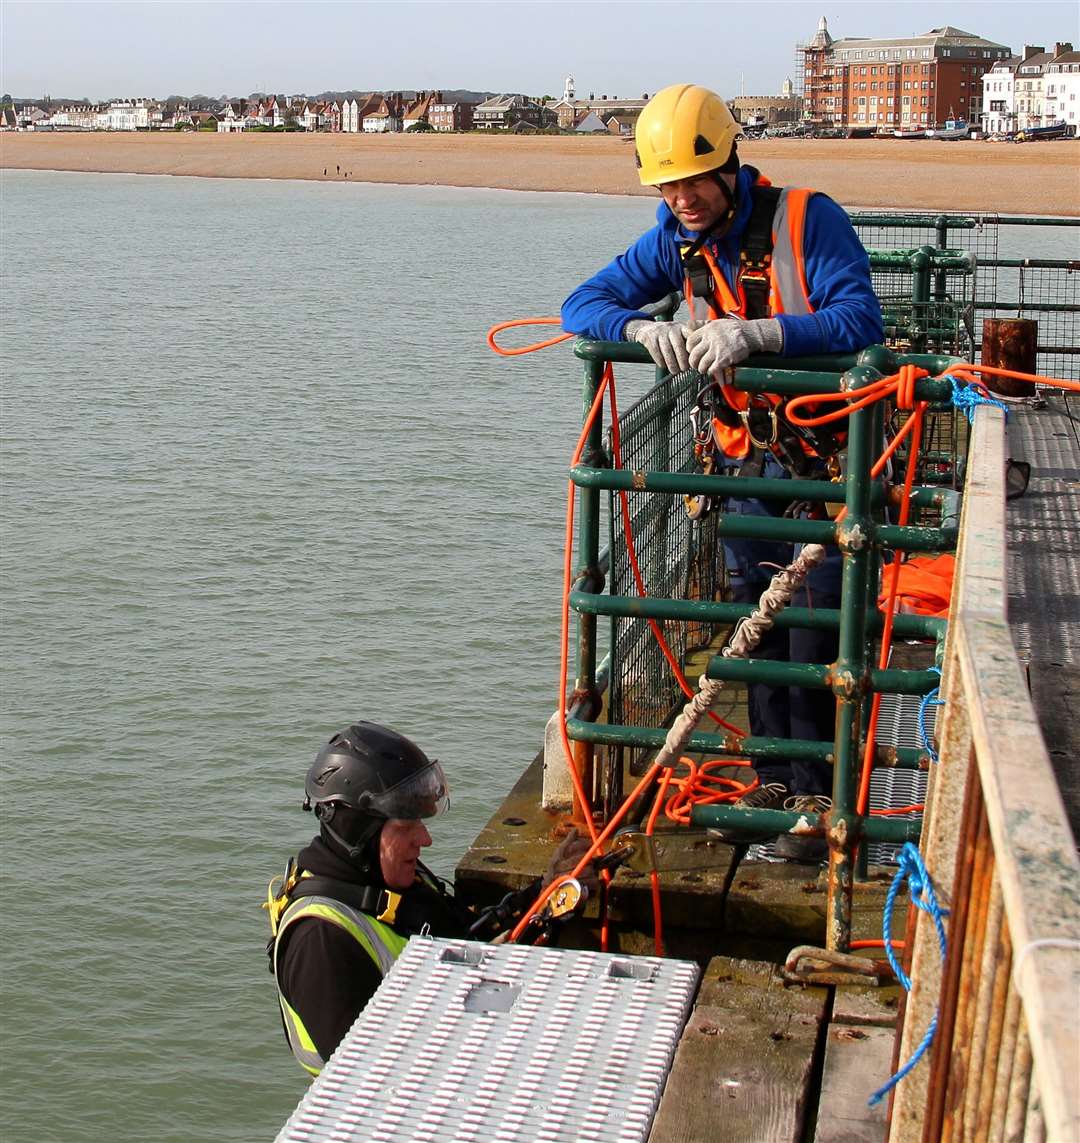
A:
[682,132]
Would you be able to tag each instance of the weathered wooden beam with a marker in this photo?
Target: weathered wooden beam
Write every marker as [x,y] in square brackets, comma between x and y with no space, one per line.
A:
[743,1067]
[858,1060]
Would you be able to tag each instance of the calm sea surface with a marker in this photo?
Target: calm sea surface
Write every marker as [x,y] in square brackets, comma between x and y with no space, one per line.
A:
[261,477]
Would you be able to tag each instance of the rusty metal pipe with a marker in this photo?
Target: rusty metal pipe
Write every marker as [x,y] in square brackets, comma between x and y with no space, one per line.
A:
[941,1053]
[1016,1107]
[982,1010]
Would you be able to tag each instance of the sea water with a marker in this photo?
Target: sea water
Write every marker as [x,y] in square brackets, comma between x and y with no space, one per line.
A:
[261,478]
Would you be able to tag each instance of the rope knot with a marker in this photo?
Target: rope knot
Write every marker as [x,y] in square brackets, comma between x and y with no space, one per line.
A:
[905,385]
[970,396]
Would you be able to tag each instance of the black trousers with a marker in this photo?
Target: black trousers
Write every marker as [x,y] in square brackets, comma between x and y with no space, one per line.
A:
[793,712]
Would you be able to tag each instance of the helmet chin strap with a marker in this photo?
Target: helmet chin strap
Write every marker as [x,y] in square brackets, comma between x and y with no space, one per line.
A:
[719,227]
[357,851]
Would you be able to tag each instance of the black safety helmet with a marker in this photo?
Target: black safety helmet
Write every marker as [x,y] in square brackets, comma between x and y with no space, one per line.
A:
[376,774]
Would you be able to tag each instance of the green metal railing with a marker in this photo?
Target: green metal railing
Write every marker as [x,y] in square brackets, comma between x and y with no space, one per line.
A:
[862,537]
[1046,290]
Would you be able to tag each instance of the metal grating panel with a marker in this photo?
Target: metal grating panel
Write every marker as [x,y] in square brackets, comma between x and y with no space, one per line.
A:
[467,1041]
[1043,533]
[898,725]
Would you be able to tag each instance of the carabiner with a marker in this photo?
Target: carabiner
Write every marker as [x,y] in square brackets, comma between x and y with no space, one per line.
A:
[744,416]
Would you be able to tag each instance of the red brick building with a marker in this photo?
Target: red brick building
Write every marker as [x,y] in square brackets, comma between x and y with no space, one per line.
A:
[897,84]
[451,116]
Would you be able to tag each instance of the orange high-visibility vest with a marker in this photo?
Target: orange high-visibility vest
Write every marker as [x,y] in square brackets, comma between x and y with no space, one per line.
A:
[788,294]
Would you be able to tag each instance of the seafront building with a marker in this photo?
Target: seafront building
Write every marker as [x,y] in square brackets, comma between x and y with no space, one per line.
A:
[512,111]
[573,114]
[456,116]
[907,84]
[1038,88]
[768,110]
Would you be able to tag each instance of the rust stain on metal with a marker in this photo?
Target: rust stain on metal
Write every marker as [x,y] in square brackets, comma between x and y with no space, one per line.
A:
[850,539]
[638,481]
[837,833]
[885,756]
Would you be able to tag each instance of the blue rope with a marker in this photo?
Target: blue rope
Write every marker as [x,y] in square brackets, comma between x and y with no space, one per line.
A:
[970,397]
[929,700]
[913,869]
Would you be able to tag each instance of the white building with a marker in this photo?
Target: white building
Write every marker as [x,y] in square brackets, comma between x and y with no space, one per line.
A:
[1061,90]
[127,115]
[231,118]
[76,117]
[350,116]
[1016,93]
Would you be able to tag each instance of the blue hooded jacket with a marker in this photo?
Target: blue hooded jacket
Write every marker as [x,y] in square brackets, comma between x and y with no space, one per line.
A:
[846,318]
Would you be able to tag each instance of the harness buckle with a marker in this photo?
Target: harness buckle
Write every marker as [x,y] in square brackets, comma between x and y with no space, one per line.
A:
[744,416]
[388,907]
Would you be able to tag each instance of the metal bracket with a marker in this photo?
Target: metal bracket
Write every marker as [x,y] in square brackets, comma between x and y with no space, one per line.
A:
[807,964]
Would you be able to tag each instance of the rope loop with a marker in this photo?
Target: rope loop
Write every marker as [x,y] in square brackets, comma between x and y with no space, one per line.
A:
[931,698]
[912,869]
[515,324]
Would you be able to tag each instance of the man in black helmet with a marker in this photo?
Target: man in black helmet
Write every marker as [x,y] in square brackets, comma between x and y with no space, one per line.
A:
[347,905]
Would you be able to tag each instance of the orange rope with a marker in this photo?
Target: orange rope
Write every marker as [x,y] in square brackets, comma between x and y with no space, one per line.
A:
[701,786]
[495,329]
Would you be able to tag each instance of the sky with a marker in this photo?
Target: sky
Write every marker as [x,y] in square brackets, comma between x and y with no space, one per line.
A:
[100,50]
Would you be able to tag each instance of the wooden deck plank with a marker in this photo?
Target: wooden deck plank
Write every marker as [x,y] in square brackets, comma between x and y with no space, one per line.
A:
[858,1060]
[867,1005]
[743,1065]
[1055,694]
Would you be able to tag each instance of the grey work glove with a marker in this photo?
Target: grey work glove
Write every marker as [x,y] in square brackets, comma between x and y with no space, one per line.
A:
[564,860]
[665,341]
[727,341]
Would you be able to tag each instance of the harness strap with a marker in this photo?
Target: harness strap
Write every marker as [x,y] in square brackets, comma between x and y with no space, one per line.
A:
[404,914]
[755,254]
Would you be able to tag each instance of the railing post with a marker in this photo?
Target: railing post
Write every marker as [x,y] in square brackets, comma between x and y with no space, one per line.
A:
[850,674]
[586,693]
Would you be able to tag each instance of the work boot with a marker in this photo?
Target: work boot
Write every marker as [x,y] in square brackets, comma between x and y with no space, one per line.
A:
[769,796]
[805,849]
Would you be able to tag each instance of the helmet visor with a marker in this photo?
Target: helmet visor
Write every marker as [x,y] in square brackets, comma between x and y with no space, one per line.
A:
[421,795]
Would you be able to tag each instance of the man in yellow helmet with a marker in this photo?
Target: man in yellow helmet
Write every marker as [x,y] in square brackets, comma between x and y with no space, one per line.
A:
[762,270]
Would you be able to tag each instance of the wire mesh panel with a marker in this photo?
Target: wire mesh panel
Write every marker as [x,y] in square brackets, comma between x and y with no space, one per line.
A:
[679,558]
[939,326]
[974,234]
[1049,293]
[1011,280]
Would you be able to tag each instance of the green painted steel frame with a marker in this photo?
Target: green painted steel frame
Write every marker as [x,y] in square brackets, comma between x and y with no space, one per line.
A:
[861,537]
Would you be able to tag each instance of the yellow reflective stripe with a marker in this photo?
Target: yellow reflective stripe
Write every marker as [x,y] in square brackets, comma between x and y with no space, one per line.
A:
[303,1047]
[789,295]
[379,941]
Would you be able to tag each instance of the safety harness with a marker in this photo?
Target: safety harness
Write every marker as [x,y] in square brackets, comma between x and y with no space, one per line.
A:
[407,914]
[729,424]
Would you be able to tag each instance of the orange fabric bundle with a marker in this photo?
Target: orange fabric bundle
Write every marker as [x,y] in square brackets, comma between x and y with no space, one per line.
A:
[925,586]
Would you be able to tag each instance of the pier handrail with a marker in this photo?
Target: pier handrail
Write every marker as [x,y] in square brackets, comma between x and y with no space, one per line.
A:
[997,841]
